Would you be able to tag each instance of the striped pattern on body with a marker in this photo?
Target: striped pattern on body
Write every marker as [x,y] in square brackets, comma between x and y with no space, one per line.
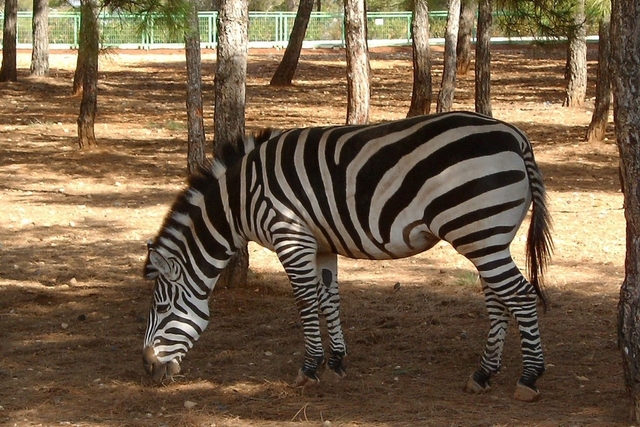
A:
[382,191]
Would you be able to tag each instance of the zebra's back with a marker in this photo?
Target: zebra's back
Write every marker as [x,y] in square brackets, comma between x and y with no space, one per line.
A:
[393,189]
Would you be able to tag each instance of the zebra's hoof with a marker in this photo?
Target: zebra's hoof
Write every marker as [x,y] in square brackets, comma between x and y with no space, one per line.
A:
[337,365]
[302,380]
[471,386]
[173,368]
[526,394]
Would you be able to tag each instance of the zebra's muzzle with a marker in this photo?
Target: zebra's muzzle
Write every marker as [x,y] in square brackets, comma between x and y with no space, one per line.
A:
[157,369]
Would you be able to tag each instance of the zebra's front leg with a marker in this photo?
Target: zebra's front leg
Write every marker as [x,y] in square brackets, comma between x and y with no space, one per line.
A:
[479,381]
[329,300]
[306,296]
[298,257]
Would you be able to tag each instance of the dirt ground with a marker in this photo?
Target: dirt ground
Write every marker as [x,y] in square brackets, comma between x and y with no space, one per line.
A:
[73,227]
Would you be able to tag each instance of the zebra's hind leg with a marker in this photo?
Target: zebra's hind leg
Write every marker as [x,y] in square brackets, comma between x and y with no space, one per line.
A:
[329,300]
[524,308]
[479,381]
[506,286]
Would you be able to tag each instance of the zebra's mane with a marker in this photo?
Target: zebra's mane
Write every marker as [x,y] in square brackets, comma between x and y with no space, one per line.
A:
[229,154]
[197,183]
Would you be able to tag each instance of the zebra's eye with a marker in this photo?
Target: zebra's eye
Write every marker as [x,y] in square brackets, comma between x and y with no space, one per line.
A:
[162,308]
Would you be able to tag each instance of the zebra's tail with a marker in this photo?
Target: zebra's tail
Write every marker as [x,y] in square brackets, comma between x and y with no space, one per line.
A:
[539,241]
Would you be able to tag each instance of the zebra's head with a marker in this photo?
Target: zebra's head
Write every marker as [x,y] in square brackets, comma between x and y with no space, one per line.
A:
[177,317]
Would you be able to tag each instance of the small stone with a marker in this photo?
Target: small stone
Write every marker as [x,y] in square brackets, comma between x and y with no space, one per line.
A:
[64,325]
[326,423]
[73,282]
[189,404]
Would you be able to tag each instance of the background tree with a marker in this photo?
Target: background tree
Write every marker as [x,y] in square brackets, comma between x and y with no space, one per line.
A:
[577,59]
[625,45]
[89,33]
[230,97]
[554,19]
[422,91]
[81,60]
[598,125]
[8,70]
[180,19]
[287,67]
[465,34]
[483,59]
[358,71]
[196,142]
[40,33]
[448,86]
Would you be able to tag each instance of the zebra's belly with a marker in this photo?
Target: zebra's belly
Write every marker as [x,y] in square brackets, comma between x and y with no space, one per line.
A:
[400,245]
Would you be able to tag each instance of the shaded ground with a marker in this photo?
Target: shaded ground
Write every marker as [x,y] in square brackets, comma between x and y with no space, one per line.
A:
[73,227]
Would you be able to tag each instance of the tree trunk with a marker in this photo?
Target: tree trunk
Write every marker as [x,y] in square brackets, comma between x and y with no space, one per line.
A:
[40,32]
[287,67]
[625,45]
[230,97]
[358,71]
[8,70]
[598,126]
[195,119]
[577,60]
[81,60]
[89,104]
[465,33]
[483,59]
[422,89]
[448,86]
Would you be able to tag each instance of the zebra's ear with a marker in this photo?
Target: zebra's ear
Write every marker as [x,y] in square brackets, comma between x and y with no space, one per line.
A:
[158,264]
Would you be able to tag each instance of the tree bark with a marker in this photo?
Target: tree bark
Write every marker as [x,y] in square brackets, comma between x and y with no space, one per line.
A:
[577,60]
[483,59]
[625,46]
[598,126]
[287,67]
[448,86]
[196,145]
[40,32]
[422,91]
[89,105]
[358,71]
[9,70]
[230,98]
[78,75]
[465,33]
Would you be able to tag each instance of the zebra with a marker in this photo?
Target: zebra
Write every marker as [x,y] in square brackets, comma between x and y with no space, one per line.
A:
[380,191]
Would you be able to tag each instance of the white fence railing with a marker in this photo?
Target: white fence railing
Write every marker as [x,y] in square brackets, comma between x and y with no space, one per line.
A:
[266,29]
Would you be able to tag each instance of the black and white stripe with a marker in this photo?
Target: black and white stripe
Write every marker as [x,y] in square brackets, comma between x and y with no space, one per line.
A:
[381,191]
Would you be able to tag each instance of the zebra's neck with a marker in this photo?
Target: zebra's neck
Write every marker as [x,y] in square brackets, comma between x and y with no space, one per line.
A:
[200,232]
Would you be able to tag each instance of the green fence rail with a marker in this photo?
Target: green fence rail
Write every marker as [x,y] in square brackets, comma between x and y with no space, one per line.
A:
[266,29]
